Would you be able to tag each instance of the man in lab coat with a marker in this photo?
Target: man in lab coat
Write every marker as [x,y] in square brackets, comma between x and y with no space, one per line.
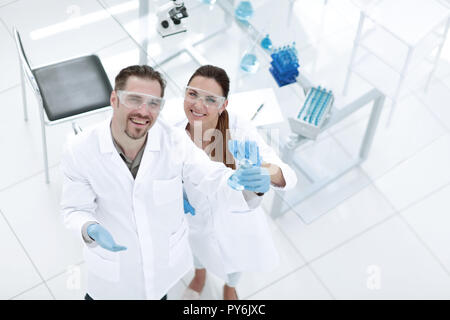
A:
[122,192]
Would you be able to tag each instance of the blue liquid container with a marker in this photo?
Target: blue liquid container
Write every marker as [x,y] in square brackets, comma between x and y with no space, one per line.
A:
[266,43]
[244,11]
[249,63]
[284,65]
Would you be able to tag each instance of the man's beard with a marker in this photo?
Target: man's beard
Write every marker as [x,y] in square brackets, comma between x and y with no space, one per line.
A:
[140,132]
[136,137]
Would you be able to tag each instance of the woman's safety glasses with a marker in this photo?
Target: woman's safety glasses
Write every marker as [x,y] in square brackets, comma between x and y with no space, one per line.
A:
[135,100]
[210,100]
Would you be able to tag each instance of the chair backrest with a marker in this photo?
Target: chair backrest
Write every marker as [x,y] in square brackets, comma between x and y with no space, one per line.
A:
[24,61]
[68,88]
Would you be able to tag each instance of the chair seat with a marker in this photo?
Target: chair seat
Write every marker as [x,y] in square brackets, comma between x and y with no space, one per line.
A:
[73,87]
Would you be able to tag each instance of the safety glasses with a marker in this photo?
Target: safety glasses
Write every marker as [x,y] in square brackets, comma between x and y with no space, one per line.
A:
[135,100]
[210,100]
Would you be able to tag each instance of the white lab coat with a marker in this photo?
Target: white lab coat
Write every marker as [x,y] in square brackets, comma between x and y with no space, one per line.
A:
[146,214]
[226,241]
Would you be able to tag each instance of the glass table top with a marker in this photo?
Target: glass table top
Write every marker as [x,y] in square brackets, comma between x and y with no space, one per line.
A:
[213,36]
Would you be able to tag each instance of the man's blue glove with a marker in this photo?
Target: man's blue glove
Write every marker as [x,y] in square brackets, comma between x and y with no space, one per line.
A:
[256,179]
[187,206]
[103,238]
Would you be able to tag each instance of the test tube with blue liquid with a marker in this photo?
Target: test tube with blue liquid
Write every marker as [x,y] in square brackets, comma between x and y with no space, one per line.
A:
[316,103]
[245,156]
[323,107]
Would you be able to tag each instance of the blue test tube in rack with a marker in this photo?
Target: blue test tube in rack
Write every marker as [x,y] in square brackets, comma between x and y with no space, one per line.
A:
[311,117]
[308,99]
[312,104]
[323,107]
[317,102]
[284,65]
[316,106]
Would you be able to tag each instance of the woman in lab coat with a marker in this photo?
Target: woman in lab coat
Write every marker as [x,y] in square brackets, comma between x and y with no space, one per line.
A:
[224,242]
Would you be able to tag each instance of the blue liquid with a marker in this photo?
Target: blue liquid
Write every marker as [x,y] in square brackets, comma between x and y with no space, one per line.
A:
[244,11]
[266,43]
[249,63]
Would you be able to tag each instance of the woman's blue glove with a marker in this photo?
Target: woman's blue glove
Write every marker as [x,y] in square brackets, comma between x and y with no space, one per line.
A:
[256,179]
[187,206]
[103,238]
[250,175]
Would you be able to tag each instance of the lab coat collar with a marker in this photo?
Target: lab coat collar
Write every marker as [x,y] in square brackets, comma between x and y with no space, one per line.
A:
[154,137]
[106,139]
[182,124]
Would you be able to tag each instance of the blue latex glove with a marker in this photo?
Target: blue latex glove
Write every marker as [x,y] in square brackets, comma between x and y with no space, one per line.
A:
[187,206]
[256,179]
[247,149]
[103,238]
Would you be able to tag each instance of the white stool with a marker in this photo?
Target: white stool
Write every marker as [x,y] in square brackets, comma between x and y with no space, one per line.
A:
[419,26]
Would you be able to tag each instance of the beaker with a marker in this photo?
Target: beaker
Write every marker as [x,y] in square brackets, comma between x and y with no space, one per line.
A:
[246,155]
[244,11]
[249,63]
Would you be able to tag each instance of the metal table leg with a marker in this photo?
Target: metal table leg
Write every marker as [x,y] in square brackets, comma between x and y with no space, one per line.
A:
[285,201]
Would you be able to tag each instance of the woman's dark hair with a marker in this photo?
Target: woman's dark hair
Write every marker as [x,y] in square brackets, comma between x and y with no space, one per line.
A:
[222,79]
[143,71]
[216,73]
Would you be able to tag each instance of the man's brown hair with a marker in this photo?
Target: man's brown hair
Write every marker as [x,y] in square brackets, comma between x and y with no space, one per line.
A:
[143,72]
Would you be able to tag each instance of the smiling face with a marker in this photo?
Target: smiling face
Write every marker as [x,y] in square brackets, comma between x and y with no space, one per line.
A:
[197,111]
[135,123]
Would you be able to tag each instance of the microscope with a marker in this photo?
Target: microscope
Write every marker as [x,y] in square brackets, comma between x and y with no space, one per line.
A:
[170,18]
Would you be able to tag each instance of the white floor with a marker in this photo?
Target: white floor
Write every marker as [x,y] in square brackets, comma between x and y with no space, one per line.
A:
[388,240]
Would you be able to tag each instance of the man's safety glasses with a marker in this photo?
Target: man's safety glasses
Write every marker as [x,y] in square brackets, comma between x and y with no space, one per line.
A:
[210,100]
[135,100]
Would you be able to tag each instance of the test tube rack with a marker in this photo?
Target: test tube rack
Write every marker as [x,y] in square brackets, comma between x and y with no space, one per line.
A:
[314,112]
[284,65]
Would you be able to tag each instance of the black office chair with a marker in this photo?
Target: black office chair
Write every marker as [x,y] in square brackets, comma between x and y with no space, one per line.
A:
[65,90]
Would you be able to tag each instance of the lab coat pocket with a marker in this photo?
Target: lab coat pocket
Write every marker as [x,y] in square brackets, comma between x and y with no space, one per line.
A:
[102,263]
[167,191]
[178,243]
